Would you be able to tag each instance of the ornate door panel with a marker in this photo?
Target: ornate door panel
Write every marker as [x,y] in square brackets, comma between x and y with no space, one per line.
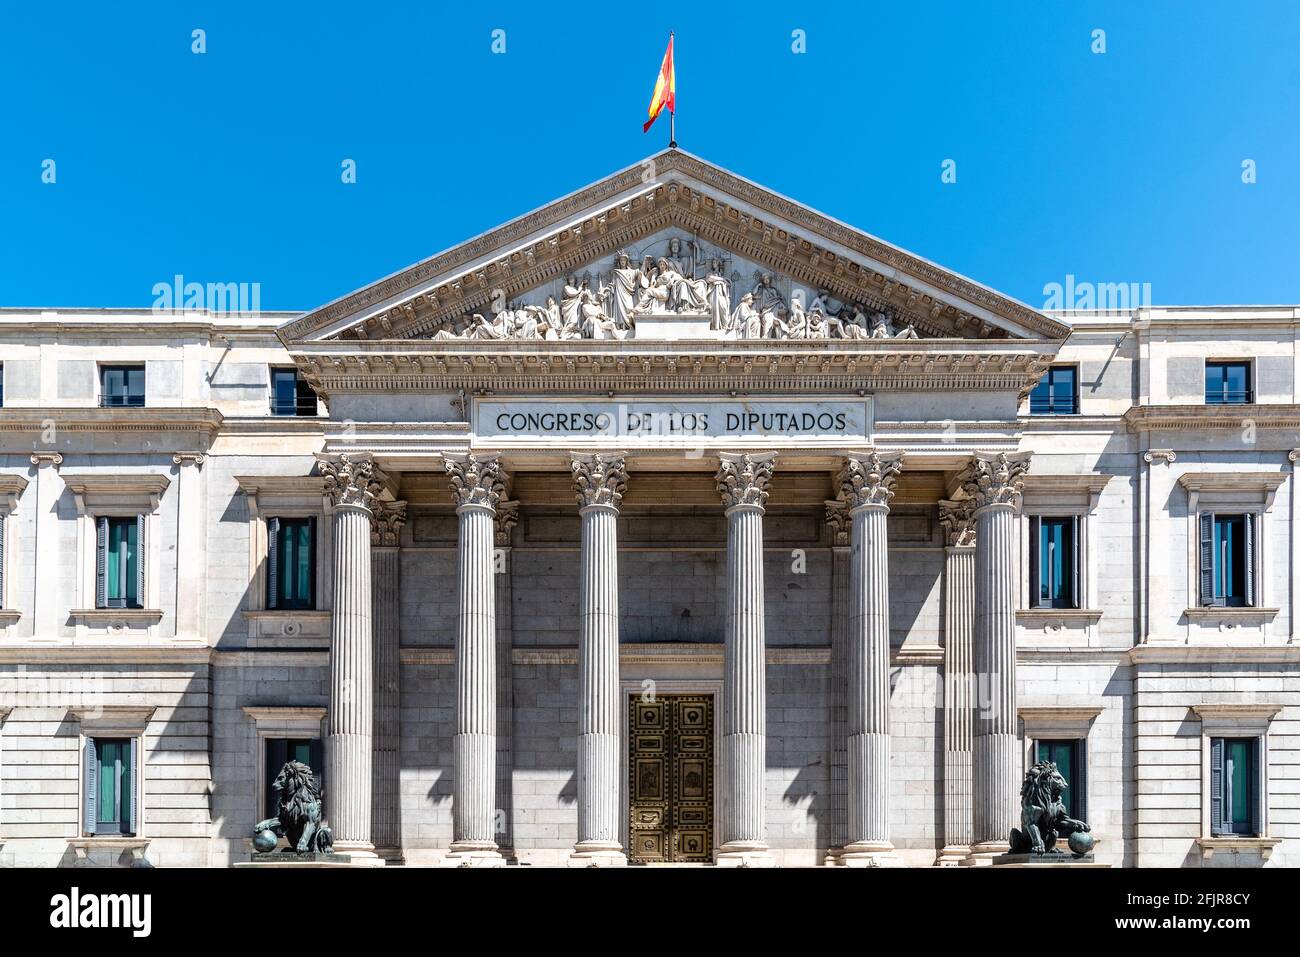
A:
[670,768]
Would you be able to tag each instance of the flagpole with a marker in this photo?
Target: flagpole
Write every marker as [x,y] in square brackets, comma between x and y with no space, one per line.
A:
[672,114]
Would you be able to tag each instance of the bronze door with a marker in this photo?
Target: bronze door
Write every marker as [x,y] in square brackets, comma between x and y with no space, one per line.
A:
[670,770]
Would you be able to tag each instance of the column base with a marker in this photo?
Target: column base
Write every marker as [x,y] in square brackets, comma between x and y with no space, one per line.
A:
[744,854]
[597,854]
[358,853]
[869,854]
[982,854]
[952,855]
[832,858]
[473,854]
[391,855]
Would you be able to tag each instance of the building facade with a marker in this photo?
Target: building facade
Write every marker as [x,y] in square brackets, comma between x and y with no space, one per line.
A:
[671,522]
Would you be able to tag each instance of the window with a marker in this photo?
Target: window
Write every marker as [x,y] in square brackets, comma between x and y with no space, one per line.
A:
[1234,799]
[1068,756]
[1054,562]
[291,395]
[119,568]
[282,750]
[1228,383]
[2,385]
[291,563]
[111,796]
[121,386]
[1057,392]
[1227,557]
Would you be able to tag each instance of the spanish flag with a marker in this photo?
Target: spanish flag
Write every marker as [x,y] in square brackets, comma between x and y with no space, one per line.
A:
[665,88]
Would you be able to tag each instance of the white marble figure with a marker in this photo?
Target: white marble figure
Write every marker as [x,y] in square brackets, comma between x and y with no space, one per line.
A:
[771,306]
[746,323]
[719,296]
[880,327]
[798,323]
[908,332]
[856,326]
[623,291]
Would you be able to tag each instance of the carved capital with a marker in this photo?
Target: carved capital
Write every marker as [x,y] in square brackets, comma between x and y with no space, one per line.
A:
[837,517]
[868,479]
[507,517]
[189,458]
[743,478]
[475,479]
[1167,456]
[43,459]
[386,523]
[598,479]
[996,479]
[351,479]
[958,520]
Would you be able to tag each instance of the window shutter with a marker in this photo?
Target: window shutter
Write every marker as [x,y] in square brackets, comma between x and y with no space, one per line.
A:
[277,752]
[1256,779]
[139,561]
[318,766]
[1249,555]
[1076,561]
[92,789]
[1206,521]
[131,813]
[1080,786]
[1035,526]
[272,563]
[101,562]
[311,561]
[1216,786]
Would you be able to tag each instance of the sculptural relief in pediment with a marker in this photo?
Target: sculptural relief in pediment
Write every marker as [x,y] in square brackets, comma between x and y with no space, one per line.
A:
[674,286]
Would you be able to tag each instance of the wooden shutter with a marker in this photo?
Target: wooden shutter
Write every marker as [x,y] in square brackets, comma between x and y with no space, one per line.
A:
[272,563]
[101,562]
[311,562]
[139,561]
[1076,561]
[277,752]
[1257,792]
[1080,785]
[1248,556]
[92,788]
[131,800]
[1035,532]
[1206,524]
[1216,786]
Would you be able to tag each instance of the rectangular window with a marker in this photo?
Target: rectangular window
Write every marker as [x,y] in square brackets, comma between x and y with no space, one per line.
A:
[1234,797]
[121,386]
[111,797]
[1228,383]
[1057,392]
[279,751]
[1227,557]
[1068,756]
[119,566]
[1054,562]
[291,395]
[291,563]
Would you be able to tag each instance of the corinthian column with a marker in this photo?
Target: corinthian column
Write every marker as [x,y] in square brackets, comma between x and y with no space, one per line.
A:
[351,482]
[742,483]
[994,483]
[385,534]
[477,486]
[866,487]
[600,482]
[958,634]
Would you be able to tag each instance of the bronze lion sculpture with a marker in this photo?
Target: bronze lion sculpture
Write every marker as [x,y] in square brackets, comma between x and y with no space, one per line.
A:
[299,819]
[1042,815]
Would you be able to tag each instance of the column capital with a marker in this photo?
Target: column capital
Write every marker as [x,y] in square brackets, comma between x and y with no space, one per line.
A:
[958,521]
[475,479]
[1167,456]
[598,478]
[996,478]
[188,458]
[837,517]
[743,477]
[44,459]
[386,523]
[507,517]
[351,479]
[867,478]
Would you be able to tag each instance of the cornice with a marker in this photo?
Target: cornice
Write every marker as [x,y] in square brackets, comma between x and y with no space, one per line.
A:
[1156,418]
[1236,710]
[597,220]
[205,421]
[119,483]
[281,484]
[1232,481]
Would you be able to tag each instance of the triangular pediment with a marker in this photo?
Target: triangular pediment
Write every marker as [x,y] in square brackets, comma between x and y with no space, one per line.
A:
[712,237]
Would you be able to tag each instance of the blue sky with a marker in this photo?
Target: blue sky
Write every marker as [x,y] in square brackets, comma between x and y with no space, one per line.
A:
[225,167]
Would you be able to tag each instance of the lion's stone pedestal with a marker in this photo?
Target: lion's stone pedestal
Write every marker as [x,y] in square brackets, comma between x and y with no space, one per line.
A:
[1046,860]
[281,859]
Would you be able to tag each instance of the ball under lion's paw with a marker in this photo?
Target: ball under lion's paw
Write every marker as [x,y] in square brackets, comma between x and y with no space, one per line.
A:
[1081,843]
[264,841]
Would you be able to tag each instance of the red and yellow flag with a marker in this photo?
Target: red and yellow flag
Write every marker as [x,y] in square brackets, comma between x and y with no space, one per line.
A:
[665,93]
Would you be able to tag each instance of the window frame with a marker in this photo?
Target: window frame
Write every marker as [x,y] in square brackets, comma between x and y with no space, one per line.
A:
[104,525]
[1247,396]
[105,398]
[1077,779]
[1236,721]
[112,722]
[1047,381]
[1074,572]
[282,722]
[275,526]
[316,761]
[301,391]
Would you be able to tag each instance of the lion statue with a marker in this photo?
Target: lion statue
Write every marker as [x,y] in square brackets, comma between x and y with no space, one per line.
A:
[1042,815]
[299,821]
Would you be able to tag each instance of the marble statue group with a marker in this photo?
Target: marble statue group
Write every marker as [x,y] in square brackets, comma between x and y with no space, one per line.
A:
[667,285]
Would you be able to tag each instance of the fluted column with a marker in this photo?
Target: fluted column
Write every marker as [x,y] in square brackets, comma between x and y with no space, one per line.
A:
[600,481]
[840,526]
[958,637]
[385,534]
[742,482]
[995,482]
[352,482]
[477,486]
[866,487]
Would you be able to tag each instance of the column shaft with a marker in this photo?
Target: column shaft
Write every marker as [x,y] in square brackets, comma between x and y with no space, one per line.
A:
[958,628]
[868,673]
[386,568]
